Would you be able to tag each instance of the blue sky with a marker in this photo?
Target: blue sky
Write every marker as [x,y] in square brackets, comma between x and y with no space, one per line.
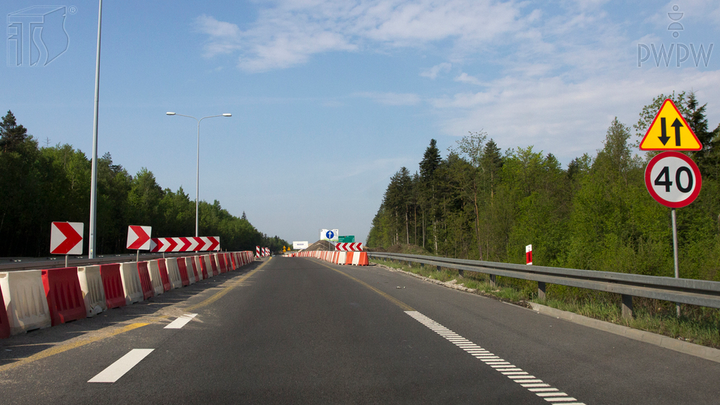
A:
[330,98]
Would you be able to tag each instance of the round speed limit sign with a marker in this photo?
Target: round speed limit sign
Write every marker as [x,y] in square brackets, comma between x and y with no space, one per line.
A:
[673,179]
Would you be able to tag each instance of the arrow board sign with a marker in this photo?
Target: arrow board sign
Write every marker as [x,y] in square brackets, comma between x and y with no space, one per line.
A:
[670,131]
[139,237]
[66,238]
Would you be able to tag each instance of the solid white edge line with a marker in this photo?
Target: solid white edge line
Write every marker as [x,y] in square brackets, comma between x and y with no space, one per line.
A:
[124,364]
[180,321]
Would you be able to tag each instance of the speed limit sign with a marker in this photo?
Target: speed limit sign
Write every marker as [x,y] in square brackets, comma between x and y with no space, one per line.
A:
[673,179]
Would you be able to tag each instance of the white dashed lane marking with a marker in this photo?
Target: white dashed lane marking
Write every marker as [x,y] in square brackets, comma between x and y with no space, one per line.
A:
[181,321]
[122,366]
[514,373]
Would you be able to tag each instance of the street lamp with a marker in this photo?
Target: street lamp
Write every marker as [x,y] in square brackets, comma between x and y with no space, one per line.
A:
[197,178]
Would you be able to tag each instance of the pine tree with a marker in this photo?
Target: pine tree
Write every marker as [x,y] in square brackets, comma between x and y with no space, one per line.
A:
[11,134]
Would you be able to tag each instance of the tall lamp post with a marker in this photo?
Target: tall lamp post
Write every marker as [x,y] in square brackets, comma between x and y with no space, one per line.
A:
[94,169]
[197,177]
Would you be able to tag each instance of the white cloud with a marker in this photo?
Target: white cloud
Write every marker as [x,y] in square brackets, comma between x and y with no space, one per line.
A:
[465,78]
[288,32]
[433,72]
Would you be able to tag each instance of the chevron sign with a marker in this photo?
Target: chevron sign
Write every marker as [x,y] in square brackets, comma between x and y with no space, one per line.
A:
[349,247]
[185,244]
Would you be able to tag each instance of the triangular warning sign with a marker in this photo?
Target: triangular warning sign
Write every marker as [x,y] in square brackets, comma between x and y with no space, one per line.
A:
[670,131]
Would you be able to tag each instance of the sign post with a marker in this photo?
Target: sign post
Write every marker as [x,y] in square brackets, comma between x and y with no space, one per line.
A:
[672,178]
[674,181]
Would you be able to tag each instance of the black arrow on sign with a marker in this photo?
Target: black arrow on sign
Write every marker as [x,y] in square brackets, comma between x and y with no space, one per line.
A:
[677,124]
[663,127]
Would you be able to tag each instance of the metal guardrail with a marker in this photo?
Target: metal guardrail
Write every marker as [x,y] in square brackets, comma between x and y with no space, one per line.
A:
[679,290]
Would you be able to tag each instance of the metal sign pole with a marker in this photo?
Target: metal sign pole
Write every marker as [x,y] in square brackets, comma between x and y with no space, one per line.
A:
[675,253]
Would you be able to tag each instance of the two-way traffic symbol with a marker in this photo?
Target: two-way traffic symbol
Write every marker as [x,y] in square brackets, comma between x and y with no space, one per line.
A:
[657,137]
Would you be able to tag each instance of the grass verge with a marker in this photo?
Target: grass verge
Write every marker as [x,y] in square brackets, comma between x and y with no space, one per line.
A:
[698,325]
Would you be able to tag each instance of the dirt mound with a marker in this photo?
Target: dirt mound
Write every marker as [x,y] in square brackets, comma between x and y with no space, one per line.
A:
[321,245]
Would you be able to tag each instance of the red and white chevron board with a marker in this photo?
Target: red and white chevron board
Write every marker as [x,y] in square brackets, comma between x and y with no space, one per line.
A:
[186,244]
[349,247]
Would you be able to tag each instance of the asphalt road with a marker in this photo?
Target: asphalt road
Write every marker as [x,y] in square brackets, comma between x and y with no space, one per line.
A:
[303,331]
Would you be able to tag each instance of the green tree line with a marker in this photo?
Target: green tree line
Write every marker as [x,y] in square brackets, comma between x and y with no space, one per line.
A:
[596,213]
[39,185]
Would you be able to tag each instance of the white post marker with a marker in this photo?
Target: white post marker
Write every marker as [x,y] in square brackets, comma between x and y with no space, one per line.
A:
[528,254]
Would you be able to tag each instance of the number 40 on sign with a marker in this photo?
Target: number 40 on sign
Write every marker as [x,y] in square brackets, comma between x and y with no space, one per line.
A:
[673,179]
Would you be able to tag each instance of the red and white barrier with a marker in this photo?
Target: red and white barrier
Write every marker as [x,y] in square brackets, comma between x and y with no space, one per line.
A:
[343,258]
[34,299]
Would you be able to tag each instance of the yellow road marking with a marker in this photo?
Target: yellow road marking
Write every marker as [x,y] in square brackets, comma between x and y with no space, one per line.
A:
[82,341]
[404,306]
[72,345]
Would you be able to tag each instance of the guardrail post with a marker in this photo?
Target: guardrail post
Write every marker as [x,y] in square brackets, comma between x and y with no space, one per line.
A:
[541,290]
[493,282]
[627,306]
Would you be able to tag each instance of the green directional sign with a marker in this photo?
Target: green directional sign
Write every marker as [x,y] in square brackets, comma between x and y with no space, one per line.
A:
[346,239]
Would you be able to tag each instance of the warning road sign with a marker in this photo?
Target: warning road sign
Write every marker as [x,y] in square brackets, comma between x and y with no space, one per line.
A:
[670,131]
[66,238]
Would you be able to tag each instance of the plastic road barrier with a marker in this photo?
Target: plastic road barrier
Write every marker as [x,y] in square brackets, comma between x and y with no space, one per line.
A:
[93,292]
[204,267]
[64,296]
[360,259]
[131,282]
[196,266]
[173,272]
[112,285]
[192,275]
[145,283]
[233,260]
[342,257]
[167,285]
[182,269]
[155,278]
[221,263]
[349,258]
[25,302]
[4,321]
